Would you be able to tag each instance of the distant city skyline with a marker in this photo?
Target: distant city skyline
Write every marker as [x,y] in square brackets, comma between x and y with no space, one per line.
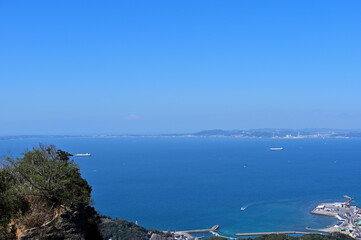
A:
[158,67]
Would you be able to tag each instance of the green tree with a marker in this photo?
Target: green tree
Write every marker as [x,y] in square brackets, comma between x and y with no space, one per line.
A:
[36,186]
[48,173]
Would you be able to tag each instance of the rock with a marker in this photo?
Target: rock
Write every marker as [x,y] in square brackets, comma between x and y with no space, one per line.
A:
[157,237]
[70,225]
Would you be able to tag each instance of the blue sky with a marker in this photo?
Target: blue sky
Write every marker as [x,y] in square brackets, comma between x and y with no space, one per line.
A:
[113,67]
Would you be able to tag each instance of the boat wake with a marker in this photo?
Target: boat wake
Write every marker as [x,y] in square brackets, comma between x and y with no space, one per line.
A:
[244,207]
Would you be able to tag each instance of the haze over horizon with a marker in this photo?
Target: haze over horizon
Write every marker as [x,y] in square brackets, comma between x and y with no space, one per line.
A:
[157,67]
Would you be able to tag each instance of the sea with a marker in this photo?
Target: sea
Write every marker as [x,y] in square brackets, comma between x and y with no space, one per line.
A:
[184,183]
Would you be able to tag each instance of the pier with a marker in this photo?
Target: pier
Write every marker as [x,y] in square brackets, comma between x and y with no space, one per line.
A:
[186,234]
[212,229]
[325,230]
[267,233]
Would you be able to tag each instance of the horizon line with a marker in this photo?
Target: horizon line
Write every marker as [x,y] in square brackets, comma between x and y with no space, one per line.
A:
[172,133]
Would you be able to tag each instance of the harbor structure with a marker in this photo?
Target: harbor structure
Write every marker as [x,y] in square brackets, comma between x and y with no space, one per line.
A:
[349,217]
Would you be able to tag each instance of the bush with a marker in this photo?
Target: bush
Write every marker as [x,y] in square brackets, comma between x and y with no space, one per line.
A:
[36,186]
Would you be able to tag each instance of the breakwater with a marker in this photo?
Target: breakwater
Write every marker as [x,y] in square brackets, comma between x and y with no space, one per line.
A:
[267,233]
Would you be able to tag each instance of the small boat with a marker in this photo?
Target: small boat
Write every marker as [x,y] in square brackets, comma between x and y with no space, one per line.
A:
[82,155]
[243,208]
[276,149]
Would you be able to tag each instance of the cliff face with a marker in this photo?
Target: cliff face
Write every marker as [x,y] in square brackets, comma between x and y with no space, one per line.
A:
[86,224]
[80,224]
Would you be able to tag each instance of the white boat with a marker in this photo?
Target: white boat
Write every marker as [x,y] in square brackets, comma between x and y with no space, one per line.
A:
[243,208]
[276,149]
[82,155]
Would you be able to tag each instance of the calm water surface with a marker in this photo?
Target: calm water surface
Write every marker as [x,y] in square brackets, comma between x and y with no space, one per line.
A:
[191,183]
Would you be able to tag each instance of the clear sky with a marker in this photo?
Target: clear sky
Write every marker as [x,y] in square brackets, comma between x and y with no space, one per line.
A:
[115,67]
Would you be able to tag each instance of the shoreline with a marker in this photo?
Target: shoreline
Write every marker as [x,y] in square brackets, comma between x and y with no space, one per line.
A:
[349,217]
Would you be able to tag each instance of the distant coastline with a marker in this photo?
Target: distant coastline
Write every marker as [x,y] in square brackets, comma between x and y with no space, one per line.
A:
[267,133]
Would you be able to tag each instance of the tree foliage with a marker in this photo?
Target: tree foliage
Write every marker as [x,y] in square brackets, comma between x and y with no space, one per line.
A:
[50,174]
[119,229]
[36,185]
[217,238]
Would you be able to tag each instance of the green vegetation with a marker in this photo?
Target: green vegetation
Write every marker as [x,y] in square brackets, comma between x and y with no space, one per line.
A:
[119,229]
[333,236]
[48,173]
[37,187]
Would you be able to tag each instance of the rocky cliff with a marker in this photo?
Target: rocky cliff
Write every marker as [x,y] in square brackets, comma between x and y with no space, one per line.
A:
[80,224]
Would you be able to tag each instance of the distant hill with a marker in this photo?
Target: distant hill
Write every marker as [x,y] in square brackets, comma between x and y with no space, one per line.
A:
[250,133]
[280,133]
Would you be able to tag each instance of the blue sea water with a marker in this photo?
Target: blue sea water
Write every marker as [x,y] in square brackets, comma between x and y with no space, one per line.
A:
[193,183]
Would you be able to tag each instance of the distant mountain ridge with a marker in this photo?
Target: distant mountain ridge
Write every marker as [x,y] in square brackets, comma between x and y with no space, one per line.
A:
[250,133]
[280,133]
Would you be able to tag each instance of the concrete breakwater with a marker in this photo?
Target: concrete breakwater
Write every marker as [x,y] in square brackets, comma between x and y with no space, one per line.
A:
[319,211]
[186,234]
[212,229]
[267,233]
